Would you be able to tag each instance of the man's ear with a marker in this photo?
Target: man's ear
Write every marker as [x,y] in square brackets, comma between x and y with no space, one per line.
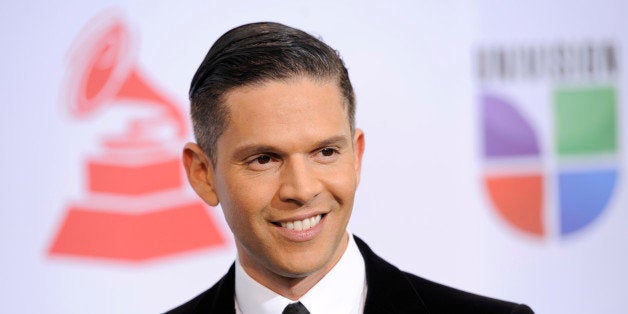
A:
[358,151]
[200,173]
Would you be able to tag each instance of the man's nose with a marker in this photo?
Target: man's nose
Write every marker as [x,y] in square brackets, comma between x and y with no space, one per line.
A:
[299,182]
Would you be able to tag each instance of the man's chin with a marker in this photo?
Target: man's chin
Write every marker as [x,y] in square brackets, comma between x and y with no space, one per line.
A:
[315,260]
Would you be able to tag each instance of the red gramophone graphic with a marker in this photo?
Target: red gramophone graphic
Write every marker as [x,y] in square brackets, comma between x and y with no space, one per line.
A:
[136,207]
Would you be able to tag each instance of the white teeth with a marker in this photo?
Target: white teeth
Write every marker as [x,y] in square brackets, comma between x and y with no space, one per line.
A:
[298,225]
[304,224]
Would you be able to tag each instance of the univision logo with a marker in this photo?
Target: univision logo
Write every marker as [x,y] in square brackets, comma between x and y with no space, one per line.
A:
[583,135]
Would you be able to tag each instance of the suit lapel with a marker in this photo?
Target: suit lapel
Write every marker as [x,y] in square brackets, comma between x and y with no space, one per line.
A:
[389,290]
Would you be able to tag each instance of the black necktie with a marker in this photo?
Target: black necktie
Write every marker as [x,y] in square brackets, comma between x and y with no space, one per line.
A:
[295,308]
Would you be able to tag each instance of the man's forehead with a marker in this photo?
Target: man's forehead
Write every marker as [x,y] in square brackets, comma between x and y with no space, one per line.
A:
[286,111]
[285,97]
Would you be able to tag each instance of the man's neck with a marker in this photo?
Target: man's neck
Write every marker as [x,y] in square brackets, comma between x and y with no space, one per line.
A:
[292,288]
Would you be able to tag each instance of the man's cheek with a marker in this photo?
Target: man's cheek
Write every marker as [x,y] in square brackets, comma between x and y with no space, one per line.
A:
[342,182]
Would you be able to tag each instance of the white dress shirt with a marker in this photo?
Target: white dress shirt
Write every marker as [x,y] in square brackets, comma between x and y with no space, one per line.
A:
[342,290]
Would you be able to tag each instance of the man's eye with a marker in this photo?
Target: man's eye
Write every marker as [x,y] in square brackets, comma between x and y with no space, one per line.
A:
[262,162]
[328,151]
[264,159]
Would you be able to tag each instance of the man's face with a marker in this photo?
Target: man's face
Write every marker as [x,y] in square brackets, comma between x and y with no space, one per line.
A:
[286,173]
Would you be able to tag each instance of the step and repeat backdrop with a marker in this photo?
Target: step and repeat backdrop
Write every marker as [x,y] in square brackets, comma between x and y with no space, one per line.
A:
[495,157]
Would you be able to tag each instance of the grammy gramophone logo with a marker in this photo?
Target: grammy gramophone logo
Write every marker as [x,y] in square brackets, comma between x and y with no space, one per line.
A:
[135,206]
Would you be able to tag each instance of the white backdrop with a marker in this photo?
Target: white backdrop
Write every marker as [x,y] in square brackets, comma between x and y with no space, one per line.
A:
[422,203]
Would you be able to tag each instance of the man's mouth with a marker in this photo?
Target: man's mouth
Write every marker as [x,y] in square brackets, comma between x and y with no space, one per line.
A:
[305,224]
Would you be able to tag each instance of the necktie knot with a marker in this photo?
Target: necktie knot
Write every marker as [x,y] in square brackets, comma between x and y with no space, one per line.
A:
[295,308]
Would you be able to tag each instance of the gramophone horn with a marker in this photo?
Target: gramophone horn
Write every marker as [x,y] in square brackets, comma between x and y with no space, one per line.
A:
[104,72]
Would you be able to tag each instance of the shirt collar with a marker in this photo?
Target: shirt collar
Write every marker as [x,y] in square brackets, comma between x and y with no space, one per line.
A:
[340,291]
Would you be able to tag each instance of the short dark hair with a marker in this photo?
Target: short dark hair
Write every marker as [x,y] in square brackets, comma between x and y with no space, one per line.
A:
[251,54]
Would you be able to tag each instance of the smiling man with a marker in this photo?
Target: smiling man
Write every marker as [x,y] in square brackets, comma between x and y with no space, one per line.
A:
[273,112]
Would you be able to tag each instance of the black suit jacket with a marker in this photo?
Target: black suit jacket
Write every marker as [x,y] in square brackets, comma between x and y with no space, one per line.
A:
[390,290]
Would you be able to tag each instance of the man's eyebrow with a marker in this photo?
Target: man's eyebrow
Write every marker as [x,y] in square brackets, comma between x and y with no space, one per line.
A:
[334,140]
[253,149]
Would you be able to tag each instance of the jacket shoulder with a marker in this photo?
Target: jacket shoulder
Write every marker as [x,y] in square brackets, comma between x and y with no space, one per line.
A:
[391,290]
[439,298]
[217,299]
[192,306]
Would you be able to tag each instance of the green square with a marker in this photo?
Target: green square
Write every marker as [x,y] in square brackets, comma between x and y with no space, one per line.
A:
[585,121]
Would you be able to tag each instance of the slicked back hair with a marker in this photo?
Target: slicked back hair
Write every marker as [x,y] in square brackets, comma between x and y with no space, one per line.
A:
[252,54]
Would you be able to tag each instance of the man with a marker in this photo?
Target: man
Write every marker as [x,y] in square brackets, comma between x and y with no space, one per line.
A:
[273,114]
